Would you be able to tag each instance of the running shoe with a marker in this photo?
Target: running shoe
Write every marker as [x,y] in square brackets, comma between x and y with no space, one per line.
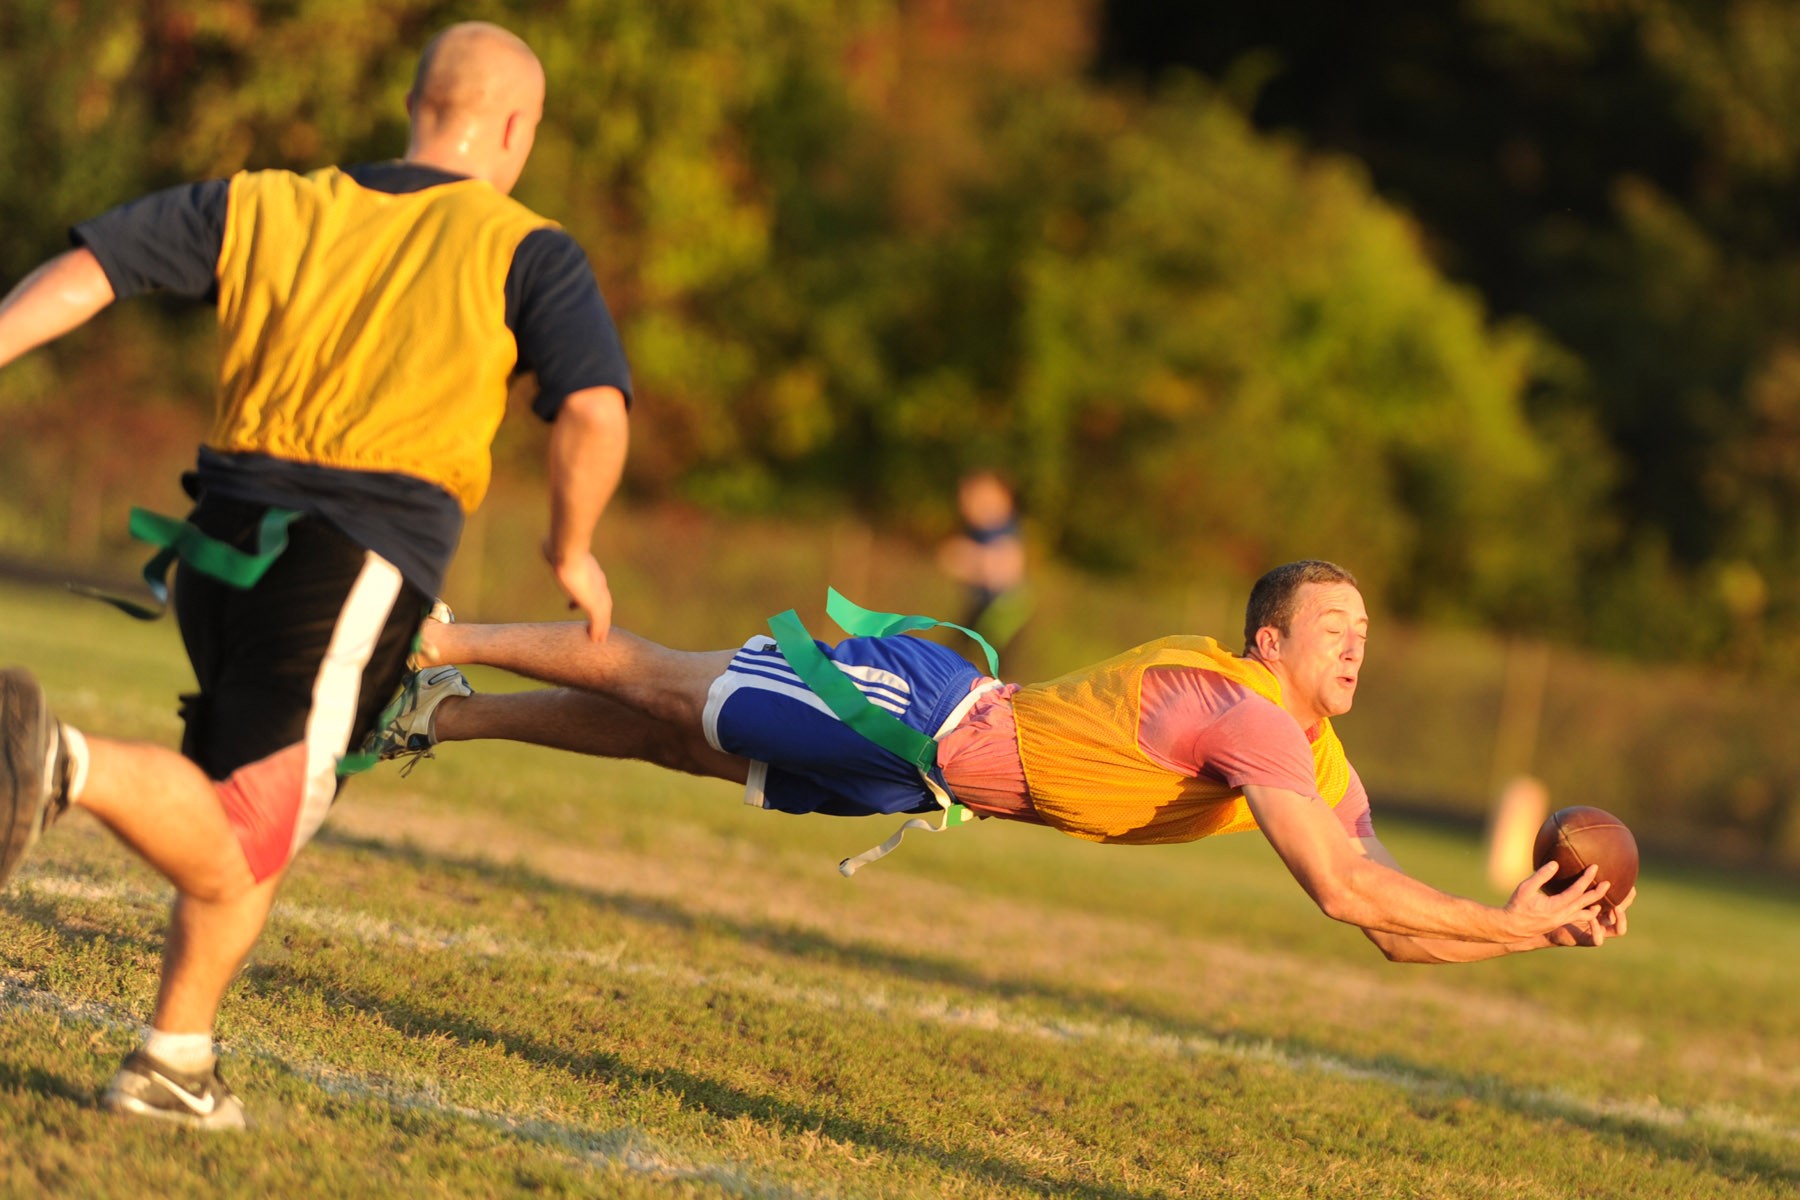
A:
[34,768]
[148,1087]
[407,727]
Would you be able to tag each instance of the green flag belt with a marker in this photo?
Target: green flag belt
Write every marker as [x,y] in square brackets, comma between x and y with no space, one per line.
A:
[177,539]
[202,552]
[846,701]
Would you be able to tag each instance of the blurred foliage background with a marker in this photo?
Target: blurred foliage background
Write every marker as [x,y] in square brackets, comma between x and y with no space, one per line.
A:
[1495,301]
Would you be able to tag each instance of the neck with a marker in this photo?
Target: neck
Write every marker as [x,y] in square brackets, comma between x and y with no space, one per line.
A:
[1303,714]
[455,156]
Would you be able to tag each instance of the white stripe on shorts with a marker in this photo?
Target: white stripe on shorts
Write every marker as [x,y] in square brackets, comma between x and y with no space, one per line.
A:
[337,688]
[760,666]
[760,657]
[727,685]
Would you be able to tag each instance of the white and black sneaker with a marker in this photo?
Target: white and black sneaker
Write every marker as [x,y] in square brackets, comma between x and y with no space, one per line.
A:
[34,768]
[407,727]
[148,1087]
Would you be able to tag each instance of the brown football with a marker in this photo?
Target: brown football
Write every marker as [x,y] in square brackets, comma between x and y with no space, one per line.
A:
[1583,836]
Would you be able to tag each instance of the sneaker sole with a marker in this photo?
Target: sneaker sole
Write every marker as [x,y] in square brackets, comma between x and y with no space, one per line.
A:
[231,1118]
[26,728]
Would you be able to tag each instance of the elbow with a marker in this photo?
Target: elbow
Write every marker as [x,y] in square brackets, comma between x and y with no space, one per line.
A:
[1339,901]
[1352,892]
[1398,948]
[600,409]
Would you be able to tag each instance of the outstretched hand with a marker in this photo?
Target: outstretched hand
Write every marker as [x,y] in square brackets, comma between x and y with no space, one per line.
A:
[584,583]
[1610,923]
[1542,914]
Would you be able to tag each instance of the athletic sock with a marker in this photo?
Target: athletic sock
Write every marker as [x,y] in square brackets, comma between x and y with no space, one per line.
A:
[189,1052]
[76,747]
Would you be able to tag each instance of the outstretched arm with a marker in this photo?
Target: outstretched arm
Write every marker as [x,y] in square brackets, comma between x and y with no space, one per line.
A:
[587,459]
[60,295]
[1350,886]
[1400,947]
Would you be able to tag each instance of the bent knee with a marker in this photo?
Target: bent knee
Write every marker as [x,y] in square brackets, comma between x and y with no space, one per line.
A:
[224,882]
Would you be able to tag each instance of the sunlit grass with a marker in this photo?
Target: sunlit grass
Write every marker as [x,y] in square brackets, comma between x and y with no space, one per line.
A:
[515,972]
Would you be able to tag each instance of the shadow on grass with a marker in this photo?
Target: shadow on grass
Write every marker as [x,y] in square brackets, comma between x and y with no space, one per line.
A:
[1646,1133]
[409,1014]
[15,1078]
[49,913]
[793,942]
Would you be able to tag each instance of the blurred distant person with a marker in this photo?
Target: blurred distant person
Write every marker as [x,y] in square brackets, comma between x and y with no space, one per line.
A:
[370,319]
[1518,811]
[1173,741]
[988,559]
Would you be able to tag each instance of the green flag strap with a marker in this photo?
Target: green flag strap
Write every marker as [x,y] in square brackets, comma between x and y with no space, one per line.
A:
[844,698]
[846,701]
[204,553]
[355,764]
[858,621]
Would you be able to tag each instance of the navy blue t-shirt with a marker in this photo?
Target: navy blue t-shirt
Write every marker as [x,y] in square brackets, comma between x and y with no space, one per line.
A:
[170,241]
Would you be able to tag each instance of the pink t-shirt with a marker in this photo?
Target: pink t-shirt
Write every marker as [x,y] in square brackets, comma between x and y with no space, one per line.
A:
[1194,722]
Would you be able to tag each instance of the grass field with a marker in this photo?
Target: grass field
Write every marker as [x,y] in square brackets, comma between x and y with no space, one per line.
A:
[518,973]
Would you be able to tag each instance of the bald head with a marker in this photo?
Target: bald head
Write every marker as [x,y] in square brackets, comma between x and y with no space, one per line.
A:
[475,103]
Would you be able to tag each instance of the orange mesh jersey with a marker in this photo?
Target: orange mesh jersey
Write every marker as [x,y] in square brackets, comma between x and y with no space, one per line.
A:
[1088,776]
[365,329]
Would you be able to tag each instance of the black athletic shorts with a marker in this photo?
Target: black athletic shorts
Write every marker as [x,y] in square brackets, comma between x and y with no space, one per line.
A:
[309,655]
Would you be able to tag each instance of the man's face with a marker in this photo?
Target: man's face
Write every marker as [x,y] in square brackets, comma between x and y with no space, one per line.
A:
[1320,656]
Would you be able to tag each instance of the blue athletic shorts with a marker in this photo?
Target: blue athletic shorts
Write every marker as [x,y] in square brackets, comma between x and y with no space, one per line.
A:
[804,759]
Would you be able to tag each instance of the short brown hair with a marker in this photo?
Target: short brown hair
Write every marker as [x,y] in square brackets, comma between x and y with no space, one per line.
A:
[1273,599]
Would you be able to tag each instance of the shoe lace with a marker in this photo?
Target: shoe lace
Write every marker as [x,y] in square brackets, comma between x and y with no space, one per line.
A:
[408,759]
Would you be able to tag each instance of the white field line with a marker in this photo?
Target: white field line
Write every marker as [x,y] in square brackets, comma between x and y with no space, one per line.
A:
[624,1149]
[940,1010]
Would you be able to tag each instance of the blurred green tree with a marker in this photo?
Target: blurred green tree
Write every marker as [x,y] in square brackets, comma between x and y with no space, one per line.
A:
[1620,173]
[857,246]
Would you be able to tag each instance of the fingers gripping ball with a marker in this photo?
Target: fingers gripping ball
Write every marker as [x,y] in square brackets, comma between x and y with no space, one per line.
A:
[1582,836]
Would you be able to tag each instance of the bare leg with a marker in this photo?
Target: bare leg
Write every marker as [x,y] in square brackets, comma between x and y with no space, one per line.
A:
[166,809]
[207,943]
[670,685]
[584,723]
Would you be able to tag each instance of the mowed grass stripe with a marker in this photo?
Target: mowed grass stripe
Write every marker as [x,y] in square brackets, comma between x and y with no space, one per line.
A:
[1065,1151]
[625,1149]
[900,1003]
[513,949]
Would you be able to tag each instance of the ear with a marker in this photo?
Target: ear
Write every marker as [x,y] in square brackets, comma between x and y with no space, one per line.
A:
[1268,643]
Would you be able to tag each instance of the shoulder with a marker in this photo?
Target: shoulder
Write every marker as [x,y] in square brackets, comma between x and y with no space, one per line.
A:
[273,193]
[1201,723]
[165,241]
[550,278]
[550,250]
[277,178]
[1210,689]
[1179,703]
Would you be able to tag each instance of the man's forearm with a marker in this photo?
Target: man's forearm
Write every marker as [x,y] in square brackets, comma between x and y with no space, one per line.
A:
[57,297]
[1405,948]
[587,458]
[1373,896]
[1357,882]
